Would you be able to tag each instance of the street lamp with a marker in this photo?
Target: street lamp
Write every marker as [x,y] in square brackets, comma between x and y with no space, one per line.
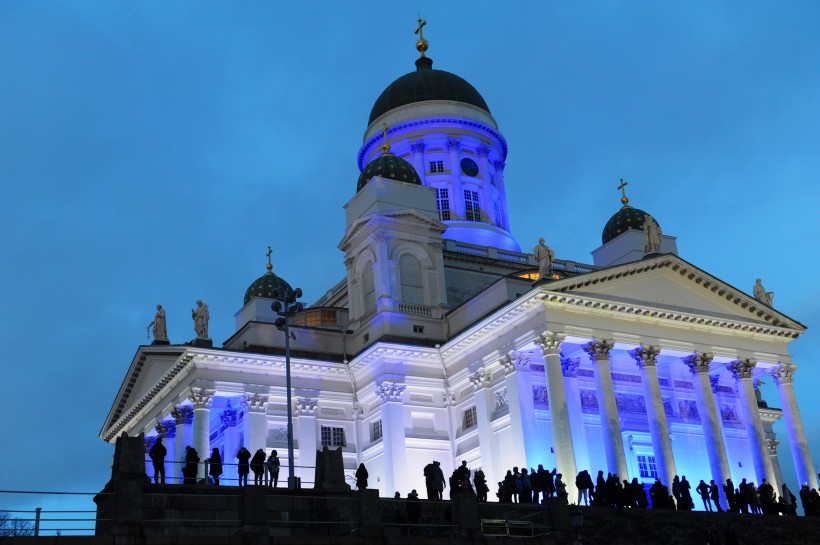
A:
[285,307]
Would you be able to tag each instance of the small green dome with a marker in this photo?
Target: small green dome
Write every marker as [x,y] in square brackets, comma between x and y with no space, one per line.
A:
[264,287]
[389,166]
[622,221]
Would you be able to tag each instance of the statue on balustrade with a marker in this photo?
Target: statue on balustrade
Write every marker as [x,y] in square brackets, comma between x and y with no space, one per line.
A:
[544,255]
[160,331]
[201,316]
[652,233]
[760,293]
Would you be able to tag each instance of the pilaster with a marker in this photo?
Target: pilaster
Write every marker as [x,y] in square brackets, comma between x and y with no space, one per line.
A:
[183,416]
[484,406]
[517,396]
[393,436]
[305,409]
[457,199]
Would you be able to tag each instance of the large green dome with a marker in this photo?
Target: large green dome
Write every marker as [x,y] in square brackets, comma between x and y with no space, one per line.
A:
[265,285]
[622,221]
[426,84]
[389,166]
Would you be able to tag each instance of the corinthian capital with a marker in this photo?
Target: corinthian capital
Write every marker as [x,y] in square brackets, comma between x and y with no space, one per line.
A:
[202,397]
[255,403]
[645,356]
[599,349]
[550,342]
[390,391]
[741,368]
[698,362]
[454,144]
[306,406]
[771,445]
[482,150]
[417,146]
[783,373]
[480,379]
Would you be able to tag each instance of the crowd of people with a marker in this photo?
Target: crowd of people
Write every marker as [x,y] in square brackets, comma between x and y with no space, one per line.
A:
[265,469]
[532,486]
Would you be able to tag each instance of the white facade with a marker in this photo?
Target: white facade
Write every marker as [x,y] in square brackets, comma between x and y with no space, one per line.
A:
[437,346]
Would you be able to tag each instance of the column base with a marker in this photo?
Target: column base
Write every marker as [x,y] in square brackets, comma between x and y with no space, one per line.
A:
[200,342]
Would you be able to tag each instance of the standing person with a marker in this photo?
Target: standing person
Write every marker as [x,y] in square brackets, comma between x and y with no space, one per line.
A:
[157,455]
[686,495]
[560,489]
[216,465]
[191,465]
[258,467]
[243,467]
[413,509]
[273,465]
[439,483]
[361,477]
[714,493]
[429,473]
[731,499]
[704,490]
[581,485]
[481,488]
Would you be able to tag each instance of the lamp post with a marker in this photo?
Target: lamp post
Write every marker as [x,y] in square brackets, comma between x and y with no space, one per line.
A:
[285,307]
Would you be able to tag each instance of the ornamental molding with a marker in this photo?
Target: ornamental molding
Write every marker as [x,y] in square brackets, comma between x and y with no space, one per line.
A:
[778,324]
[417,146]
[741,368]
[783,373]
[454,144]
[483,150]
[473,125]
[501,401]
[514,361]
[389,391]
[255,402]
[599,349]
[698,362]
[449,399]
[646,356]
[771,445]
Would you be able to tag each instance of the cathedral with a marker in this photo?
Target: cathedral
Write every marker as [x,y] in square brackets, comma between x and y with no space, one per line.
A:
[449,340]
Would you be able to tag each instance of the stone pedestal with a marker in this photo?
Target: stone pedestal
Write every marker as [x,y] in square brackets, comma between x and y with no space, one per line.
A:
[200,342]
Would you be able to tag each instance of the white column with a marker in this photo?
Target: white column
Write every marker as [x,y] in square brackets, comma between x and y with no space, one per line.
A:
[395,477]
[569,368]
[562,442]
[418,160]
[230,436]
[742,372]
[306,434]
[183,417]
[783,375]
[202,399]
[710,419]
[484,407]
[500,184]
[457,198]
[599,351]
[257,421]
[517,396]
[646,358]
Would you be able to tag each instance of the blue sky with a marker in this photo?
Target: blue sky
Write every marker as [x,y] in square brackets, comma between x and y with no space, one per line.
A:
[150,151]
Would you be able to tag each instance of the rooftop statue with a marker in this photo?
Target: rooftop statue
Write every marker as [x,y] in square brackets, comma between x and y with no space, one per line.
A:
[201,316]
[760,293]
[652,232]
[544,255]
[160,332]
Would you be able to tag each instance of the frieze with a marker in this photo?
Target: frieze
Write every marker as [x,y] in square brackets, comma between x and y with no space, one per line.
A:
[589,401]
[683,384]
[278,434]
[630,403]
[537,367]
[501,400]
[724,389]
[688,409]
[539,395]
[728,414]
[586,373]
[626,378]
[663,382]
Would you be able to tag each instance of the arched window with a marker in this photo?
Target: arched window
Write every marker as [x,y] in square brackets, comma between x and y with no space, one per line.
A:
[368,287]
[410,275]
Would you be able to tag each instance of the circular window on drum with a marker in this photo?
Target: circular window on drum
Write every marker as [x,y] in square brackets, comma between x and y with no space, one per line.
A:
[469,167]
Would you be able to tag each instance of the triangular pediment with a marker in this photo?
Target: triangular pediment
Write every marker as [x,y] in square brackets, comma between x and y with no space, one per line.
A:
[149,365]
[672,284]
[390,219]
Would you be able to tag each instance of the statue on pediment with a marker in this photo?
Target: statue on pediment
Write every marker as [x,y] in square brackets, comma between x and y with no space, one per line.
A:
[201,316]
[760,293]
[652,233]
[544,255]
[160,331]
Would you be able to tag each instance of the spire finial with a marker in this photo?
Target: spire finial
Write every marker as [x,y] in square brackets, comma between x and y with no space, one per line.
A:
[269,267]
[386,145]
[421,43]
[622,187]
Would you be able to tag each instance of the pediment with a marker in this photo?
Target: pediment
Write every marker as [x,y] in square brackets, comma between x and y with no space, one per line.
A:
[671,284]
[149,365]
[390,219]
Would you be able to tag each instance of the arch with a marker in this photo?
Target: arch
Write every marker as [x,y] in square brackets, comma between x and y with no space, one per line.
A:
[410,278]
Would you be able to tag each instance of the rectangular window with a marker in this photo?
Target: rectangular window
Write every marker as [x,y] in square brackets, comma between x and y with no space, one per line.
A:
[375,430]
[443,204]
[333,436]
[472,210]
[647,467]
[470,418]
[436,167]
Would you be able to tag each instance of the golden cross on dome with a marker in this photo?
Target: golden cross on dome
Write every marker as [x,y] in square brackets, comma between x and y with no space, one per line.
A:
[269,267]
[386,145]
[622,187]
[421,44]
